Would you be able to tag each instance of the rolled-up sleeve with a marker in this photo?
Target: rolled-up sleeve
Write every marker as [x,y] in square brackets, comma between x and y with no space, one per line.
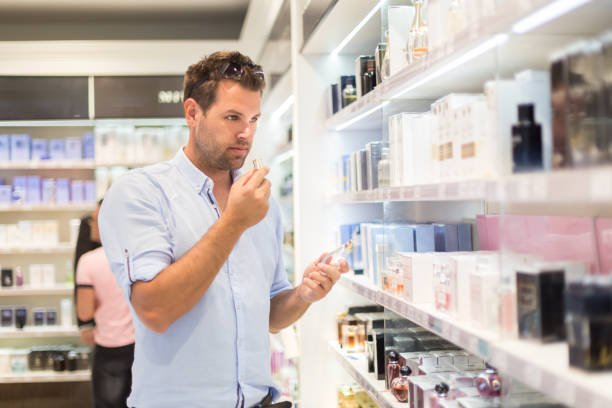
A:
[134,229]
[280,283]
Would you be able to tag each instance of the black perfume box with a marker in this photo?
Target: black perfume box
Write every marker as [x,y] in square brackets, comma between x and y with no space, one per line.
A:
[540,304]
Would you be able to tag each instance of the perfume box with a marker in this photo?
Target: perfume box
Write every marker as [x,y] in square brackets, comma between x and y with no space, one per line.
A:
[399,19]
[89,144]
[345,81]
[7,277]
[36,275]
[77,191]
[425,238]
[6,195]
[73,148]
[48,191]
[40,149]
[461,267]
[33,193]
[89,192]
[5,148]
[540,303]
[62,191]
[20,188]
[417,272]
[57,149]
[588,143]
[464,237]
[334,98]
[373,156]
[38,315]
[20,147]
[48,275]
[445,237]
[403,237]
[588,307]
[484,283]
[6,313]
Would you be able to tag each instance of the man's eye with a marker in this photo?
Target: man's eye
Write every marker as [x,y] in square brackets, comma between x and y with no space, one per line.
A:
[254,120]
[232,117]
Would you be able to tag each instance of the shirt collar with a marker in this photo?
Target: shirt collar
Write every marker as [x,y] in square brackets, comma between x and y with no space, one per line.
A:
[197,178]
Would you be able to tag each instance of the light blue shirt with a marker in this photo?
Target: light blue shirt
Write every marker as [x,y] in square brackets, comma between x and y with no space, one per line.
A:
[217,354]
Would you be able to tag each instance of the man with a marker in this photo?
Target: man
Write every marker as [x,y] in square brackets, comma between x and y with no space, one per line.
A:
[197,248]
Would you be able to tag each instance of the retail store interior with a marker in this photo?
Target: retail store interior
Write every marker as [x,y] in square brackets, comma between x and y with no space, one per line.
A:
[456,153]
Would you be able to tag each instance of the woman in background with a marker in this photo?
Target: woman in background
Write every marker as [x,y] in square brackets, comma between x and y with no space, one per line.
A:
[105,322]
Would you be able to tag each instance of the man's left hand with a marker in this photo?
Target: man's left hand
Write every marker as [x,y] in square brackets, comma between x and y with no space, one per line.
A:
[319,278]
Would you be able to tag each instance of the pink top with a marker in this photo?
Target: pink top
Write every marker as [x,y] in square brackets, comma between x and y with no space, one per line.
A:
[113,318]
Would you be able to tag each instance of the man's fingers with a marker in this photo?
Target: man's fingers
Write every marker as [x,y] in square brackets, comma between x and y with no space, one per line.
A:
[258,176]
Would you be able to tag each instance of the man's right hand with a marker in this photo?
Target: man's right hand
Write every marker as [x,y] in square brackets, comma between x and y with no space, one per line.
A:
[248,200]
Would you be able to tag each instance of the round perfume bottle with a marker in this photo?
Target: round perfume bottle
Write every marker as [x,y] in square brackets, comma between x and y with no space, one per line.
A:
[399,386]
[489,383]
[393,367]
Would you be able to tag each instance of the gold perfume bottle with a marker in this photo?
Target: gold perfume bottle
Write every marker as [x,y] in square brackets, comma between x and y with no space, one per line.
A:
[417,37]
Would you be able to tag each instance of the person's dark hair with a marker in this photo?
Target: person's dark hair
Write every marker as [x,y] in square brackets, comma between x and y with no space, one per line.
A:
[84,243]
[202,78]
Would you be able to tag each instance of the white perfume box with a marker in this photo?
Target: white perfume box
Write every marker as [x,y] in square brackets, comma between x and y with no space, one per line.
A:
[48,275]
[36,275]
[461,266]
[400,20]
[417,271]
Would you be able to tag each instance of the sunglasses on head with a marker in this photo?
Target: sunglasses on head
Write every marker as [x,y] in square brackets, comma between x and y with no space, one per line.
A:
[230,70]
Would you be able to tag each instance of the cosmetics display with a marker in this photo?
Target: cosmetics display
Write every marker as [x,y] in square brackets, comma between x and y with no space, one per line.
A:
[138,145]
[22,147]
[35,190]
[29,233]
[399,385]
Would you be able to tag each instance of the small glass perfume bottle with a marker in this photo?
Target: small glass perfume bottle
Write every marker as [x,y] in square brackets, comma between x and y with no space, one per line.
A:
[489,383]
[457,20]
[393,368]
[349,94]
[400,385]
[339,253]
[526,141]
[418,36]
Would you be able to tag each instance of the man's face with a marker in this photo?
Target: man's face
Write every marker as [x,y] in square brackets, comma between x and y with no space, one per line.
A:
[224,134]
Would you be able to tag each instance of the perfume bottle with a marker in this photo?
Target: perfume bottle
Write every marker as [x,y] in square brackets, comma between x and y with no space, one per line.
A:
[393,368]
[489,383]
[526,141]
[384,168]
[21,316]
[349,94]
[457,21]
[18,276]
[339,253]
[369,76]
[417,37]
[399,386]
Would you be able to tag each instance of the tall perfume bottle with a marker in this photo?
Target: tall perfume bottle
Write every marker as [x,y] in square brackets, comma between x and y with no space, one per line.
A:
[393,368]
[349,94]
[526,142]
[417,37]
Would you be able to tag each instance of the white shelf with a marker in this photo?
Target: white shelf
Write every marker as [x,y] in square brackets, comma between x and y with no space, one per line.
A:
[49,165]
[590,185]
[132,165]
[62,248]
[46,377]
[59,290]
[546,366]
[356,364]
[476,57]
[38,332]
[48,207]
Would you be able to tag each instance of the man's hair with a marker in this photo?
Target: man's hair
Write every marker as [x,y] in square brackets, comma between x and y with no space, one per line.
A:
[202,78]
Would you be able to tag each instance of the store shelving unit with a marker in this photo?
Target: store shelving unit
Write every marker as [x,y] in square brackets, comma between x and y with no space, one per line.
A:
[61,248]
[57,290]
[48,207]
[38,332]
[592,185]
[46,377]
[356,365]
[492,48]
[50,165]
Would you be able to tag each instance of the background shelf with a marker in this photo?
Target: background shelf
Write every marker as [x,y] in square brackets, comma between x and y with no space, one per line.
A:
[46,377]
[61,289]
[37,332]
